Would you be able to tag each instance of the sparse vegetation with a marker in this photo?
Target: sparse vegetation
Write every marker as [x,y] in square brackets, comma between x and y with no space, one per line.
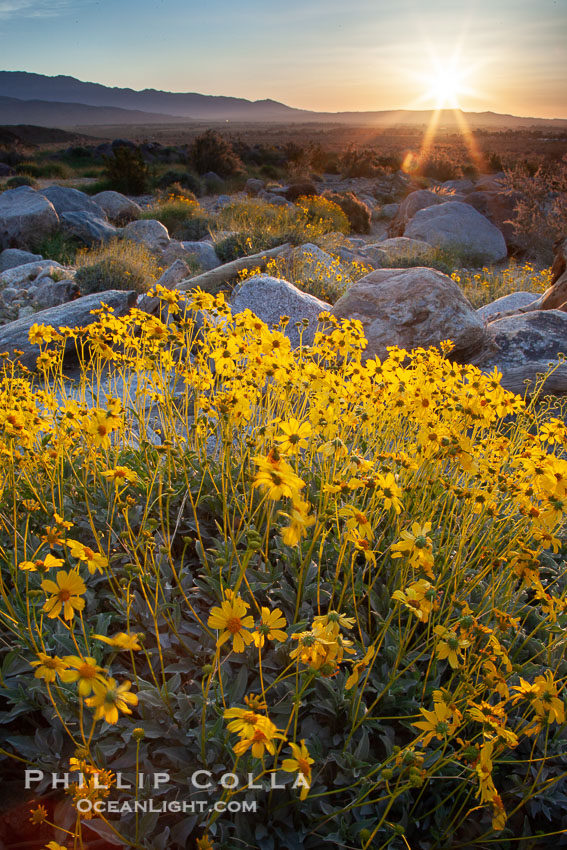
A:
[184,218]
[117,265]
[541,213]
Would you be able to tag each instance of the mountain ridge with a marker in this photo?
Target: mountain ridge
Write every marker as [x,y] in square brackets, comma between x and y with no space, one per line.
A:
[71,99]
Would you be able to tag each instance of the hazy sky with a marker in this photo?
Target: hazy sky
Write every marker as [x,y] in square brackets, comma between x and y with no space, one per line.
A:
[503,55]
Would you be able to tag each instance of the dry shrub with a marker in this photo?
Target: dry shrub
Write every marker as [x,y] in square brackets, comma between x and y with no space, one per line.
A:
[541,214]
[116,265]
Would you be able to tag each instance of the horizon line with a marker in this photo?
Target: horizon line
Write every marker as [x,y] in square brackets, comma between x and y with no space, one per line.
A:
[279,102]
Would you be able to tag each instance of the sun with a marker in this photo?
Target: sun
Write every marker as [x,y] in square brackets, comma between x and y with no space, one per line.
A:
[447,83]
[445,89]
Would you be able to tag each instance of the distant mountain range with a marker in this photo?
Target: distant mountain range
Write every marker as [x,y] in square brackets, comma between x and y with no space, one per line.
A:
[67,102]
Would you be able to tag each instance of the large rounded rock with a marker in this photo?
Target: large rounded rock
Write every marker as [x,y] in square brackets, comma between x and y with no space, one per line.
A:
[72,200]
[459,226]
[524,346]
[26,217]
[527,337]
[118,208]
[76,314]
[421,199]
[148,232]
[270,298]
[499,208]
[412,308]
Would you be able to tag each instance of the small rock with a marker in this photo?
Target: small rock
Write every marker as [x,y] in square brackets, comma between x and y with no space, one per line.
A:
[421,199]
[253,186]
[118,208]
[149,232]
[514,301]
[402,248]
[12,257]
[205,254]
[19,276]
[52,293]
[26,311]
[387,212]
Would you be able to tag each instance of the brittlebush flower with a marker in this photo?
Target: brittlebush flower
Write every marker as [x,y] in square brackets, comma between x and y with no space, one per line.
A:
[94,560]
[65,594]
[294,436]
[300,764]
[47,666]
[262,738]
[438,723]
[233,622]
[277,479]
[110,698]
[416,546]
[121,475]
[84,671]
[41,565]
[486,790]
[450,647]
[358,667]
[418,598]
[121,640]
[270,627]
[299,522]
[242,721]
[38,815]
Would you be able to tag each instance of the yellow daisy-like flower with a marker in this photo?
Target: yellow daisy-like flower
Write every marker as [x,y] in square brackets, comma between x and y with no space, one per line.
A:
[84,671]
[41,566]
[94,560]
[300,764]
[437,724]
[121,475]
[451,647]
[299,522]
[47,666]
[121,640]
[242,721]
[418,598]
[38,815]
[358,667]
[270,627]
[65,594]
[263,738]
[232,621]
[277,478]
[110,698]
[294,436]
[42,333]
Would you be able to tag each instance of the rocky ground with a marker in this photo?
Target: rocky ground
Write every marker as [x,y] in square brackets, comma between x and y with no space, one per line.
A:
[520,335]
